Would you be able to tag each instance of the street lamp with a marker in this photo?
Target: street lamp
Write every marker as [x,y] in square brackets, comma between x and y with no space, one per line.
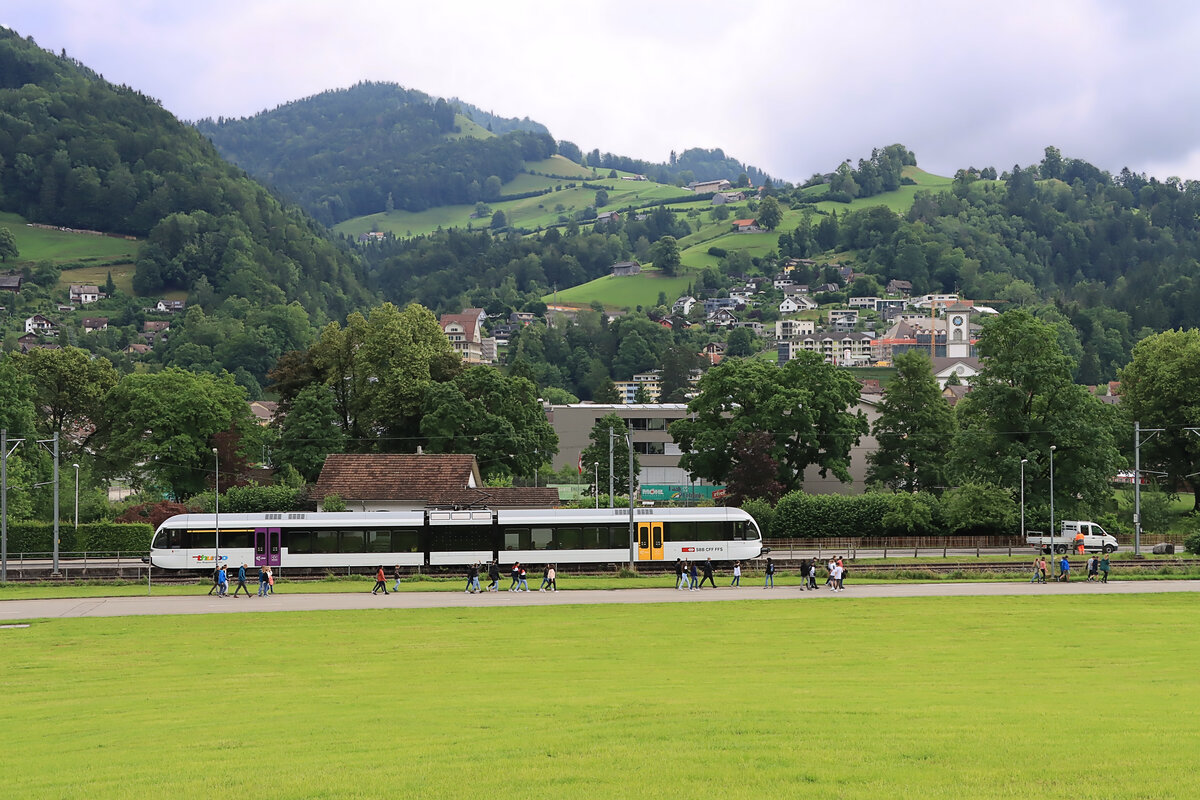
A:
[217,509]
[1052,548]
[76,466]
[1024,461]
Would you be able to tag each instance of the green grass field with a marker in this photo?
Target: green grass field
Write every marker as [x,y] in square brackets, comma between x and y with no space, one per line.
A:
[625,292]
[37,244]
[1061,697]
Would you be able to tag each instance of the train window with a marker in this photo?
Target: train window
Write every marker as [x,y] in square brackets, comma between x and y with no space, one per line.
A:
[458,539]
[709,531]
[325,541]
[680,531]
[352,542]
[169,539]
[739,531]
[300,542]
[513,538]
[235,540]
[203,540]
[542,539]
[405,541]
[643,536]
[568,539]
[593,538]
[378,541]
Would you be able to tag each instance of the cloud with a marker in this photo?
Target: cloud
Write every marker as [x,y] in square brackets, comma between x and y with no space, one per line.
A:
[791,87]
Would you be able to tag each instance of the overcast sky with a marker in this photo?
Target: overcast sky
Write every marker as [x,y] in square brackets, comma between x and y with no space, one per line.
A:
[791,87]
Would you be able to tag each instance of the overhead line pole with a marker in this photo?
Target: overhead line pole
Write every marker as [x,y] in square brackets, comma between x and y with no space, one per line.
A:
[5,452]
[1138,441]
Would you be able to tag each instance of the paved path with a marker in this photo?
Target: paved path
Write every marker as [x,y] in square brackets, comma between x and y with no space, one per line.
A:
[202,604]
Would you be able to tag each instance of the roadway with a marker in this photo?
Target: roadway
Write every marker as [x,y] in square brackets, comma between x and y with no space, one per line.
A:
[11,610]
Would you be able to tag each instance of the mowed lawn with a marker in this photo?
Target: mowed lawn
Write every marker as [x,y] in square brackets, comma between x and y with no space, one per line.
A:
[1063,697]
[60,247]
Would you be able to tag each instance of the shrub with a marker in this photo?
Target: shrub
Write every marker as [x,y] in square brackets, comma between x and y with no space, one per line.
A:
[1192,542]
[333,503]
[763,514]
[251,500]
[806,516]
[38,537]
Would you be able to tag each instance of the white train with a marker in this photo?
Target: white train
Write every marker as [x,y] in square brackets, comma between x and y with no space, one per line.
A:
[447,538]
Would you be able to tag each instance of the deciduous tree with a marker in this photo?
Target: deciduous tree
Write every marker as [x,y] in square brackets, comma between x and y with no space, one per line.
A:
[914,429]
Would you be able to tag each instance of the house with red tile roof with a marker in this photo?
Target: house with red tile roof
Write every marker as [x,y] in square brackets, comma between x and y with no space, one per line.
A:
[417,481]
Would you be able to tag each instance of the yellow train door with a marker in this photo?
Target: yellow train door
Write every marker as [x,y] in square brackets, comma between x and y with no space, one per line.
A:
[650,541]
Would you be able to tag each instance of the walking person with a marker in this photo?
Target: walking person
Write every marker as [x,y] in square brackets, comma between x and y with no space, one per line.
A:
[708,575]
[522,586]
[551,579]
[222,582]
[1042,567]
[494,576]
[545,579]
[829,573]
[397,576]
[678,573]
[216,579]
[262,582]
[1104,569]
[380,581]
[812,575]
[684,581]
[1037,573]
[803,574]
[838,573]
[1093,569]
[472,576]
[737,574]
[270,581]
[1064,567]
[695,576]
[769,580]
[242,587]
[516,576]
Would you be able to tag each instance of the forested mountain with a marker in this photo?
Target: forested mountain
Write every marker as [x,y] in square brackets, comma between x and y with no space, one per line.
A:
[353,151]
[78,151]
[693,164]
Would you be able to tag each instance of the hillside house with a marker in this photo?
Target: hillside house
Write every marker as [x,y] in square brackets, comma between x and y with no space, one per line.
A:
[169,306]
[41,326]
[788,306]
[608,216]
[895,286]
[845,349]
[464,334]
[714,304]
[871,303]
[721,198]
[713,352]
[83,293]
[745,225]
[825,288]
[11,283]
[94,324]
[704,187]
[136,349]
[795,289]
[263,411]
[683,305]
[843,318]
[794,328]
[623,269]
[781,282]
[722,318]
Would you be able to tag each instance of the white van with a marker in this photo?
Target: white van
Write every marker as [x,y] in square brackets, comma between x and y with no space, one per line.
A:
[1095,538]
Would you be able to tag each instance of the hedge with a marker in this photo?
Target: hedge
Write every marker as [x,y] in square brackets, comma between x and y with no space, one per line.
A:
[828,516]
[38,537]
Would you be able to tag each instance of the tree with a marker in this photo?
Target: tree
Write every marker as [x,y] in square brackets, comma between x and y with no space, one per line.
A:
[665,253]
[159,428]
[8,245]
[497,418]
[499,221]
[309,431]
[1160,388]
[1052,164]
[601,198]
[983,509]
[914,429]
[69,386]
[769,213]
[754,471]
[740,342]
[110,288]
[597,453]
[1024,400]
[676,379]
[805,406]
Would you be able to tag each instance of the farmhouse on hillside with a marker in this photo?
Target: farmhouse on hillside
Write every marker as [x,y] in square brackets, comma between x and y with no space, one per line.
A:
[626,268]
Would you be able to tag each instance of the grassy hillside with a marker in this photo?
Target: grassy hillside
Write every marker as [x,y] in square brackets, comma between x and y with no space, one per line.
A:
[563,200]
[61,247]
[627,292]
[469,129]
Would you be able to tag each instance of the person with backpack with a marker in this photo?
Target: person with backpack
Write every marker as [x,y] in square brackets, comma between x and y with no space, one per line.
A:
[242,587]
[1104,569]
[769,580]
[262,582]
[516,576]
[522,586]
[708,575]
[695,576]
[1064,568]
[216,580]
[494,576]
[222,582]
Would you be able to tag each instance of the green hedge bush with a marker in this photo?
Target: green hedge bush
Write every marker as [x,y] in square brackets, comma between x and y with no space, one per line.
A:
[825,516]
[38,537]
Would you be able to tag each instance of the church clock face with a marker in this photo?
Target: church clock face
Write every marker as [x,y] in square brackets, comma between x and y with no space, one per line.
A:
[957,320]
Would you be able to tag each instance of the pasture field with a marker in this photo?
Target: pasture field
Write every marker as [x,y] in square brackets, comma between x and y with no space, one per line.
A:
[60,247]
[934,698]
[625,292]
